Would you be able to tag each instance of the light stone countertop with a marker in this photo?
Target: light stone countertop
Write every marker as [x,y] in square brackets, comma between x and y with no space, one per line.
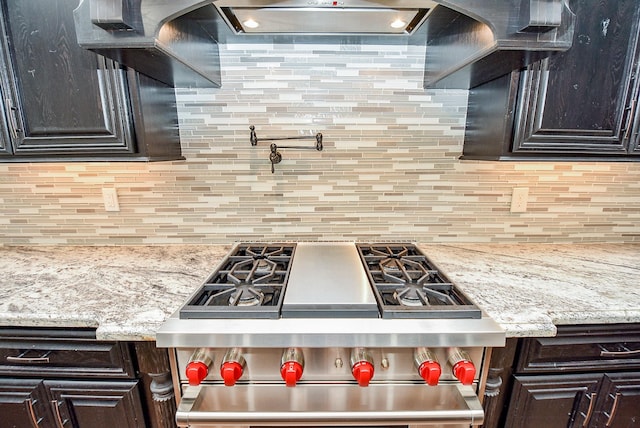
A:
[126,292]
[529,289]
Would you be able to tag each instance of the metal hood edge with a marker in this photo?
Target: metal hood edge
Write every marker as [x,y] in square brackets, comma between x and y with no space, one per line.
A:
[469,42]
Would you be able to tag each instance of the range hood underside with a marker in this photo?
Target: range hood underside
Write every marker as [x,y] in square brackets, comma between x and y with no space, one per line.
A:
[335,21]
[468,42]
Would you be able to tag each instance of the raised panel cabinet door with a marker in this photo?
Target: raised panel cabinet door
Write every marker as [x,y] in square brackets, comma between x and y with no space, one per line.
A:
[23,404]
[557,401]
[95,404]
[66,100]
[582,100]
[619,401]
[5,139]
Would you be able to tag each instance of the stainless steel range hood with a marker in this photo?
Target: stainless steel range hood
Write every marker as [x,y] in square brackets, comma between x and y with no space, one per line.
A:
[324,16]
[468,42]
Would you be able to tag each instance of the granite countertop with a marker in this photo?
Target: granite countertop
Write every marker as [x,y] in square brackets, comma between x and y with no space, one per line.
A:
[529,289]
[126,292]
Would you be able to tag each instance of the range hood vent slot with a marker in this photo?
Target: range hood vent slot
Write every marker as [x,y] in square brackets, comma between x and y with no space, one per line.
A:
[317,20]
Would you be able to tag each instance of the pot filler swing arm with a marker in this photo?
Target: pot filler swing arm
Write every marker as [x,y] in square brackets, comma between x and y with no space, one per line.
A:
[275,156]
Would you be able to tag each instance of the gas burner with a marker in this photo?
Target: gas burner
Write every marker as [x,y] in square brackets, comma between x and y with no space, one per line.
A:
[252,271]
[409,296]
[389,252]
[249,283]
[263,252]
[405,271]
[264,266]
[407,285]
[245,295]
[416,295]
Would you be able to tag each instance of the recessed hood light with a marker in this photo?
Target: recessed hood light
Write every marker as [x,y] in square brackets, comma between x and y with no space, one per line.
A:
[250,23]
[366,17]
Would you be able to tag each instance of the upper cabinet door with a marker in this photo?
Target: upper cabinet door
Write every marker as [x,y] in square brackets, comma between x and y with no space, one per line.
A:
[582,100]
[59,98]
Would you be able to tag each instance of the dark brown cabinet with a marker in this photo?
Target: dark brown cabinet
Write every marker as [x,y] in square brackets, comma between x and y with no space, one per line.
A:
[576,104]
[53,404]
[96,404]
[563,401]
[22,404]
[68,382]
[619,398]
[54,378]
[64,102]
[586,376]
[551,401]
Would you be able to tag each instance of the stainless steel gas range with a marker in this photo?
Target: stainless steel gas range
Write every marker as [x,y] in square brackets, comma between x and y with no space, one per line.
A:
[329,334]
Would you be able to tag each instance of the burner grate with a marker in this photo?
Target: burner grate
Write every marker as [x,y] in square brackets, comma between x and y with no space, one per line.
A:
[407,284]
[249,283]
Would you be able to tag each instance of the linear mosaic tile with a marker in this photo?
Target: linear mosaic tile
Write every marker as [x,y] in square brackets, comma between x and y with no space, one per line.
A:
[389,169]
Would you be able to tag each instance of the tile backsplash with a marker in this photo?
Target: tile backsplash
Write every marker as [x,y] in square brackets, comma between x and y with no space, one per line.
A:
[389,169]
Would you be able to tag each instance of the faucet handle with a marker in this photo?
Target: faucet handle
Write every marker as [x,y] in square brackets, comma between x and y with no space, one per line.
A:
[275,156]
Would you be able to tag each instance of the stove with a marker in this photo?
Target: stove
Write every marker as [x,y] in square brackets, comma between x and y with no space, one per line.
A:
[400,282]
[329,334]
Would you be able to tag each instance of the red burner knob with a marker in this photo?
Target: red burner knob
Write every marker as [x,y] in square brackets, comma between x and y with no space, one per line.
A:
[232,366]
[198,366]
[430,371]
[428,366]
[197,371]
[231,371]
[465,372]
[291,372]
[363,372]
[362,366]
[292,365]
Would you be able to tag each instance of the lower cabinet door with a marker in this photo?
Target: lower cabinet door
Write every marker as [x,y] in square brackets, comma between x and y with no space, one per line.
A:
[620,401]
[557,401]
[23,404]
[99,404]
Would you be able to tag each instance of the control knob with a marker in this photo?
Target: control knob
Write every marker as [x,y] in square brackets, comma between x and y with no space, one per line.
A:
[427,365]
[292,365]
[462,367]
[232,366]
[198,366]
[362,366]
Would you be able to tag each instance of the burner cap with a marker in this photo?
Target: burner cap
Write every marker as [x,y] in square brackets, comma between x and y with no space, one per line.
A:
[263,266]
[246,295]
[409,296]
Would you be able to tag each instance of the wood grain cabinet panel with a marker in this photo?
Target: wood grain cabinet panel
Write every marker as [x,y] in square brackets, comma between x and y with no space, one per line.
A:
[23,403]
[578,104]
[581,349]
[82,404]
[620,401]
[65,378]
[60,357]
[587,376]
[583,100]
[552,401]
[63,102]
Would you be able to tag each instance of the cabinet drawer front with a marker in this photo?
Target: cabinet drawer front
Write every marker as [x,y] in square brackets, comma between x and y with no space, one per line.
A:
[583,349]
[55,357]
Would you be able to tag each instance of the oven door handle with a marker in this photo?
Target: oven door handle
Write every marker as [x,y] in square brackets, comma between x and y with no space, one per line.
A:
[329,405]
